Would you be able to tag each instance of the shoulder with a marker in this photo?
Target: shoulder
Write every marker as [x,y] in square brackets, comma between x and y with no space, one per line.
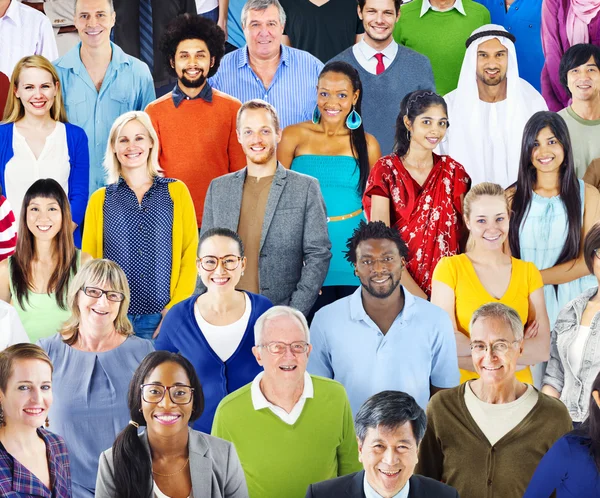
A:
[216,446]
[259,302]
[591,194]
[411,8]
[445,399]
[182,307]
[136,344]
[6,129]
[176,187]
[333,487]
[97,197]
[336,311]
[332,387]
[56,442]
[225,180]
[52,344]
[301,179]
[160,102]
[345,56]
[74,131]
[297,55]
[32,15]
[474,7]
[224,98]
[424,311]
[551,408]
[412,56]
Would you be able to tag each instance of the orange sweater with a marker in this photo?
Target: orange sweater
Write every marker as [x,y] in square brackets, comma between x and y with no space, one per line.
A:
[198,141]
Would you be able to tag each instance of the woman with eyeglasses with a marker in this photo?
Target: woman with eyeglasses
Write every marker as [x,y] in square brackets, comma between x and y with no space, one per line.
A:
[168,459]
[215,330]
[94,357]
[575,341]
[144,222]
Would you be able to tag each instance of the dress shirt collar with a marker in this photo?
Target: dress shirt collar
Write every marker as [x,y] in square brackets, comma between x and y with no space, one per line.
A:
[368,52]
[357,310]
[72,59]
[244,58]
[371,493]
[258,398]
[178,95]
[13,13]
[458,5]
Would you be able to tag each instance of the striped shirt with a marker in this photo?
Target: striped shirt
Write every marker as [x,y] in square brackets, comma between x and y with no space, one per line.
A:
[293,89]
[8,229]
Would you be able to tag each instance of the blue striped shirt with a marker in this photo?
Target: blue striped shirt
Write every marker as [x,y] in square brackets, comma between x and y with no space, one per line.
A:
[293,91]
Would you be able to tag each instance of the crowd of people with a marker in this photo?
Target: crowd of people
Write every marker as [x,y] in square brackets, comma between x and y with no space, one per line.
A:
[285,248]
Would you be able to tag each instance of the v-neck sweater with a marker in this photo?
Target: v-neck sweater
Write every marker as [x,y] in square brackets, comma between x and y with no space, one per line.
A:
[456,451]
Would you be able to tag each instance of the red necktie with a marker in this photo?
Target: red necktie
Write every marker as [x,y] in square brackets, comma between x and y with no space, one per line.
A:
[380,67]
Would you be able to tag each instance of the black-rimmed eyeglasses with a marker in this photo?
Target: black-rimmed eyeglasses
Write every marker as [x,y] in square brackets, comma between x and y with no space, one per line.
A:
[155,393]
[96,293]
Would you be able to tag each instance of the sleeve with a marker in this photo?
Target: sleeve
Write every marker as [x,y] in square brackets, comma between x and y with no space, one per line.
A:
[208,221]
[319,361]
[534,278]
[219,426]
[171,323]
[316,251]
[592,174]
[8,229]
[17,331]
[90,243]
[347,451]
[237,158]
[444,365]
[445,271]
[46,45]
[309,492]
[461,185]
[431,456]
[555,373]
[235,484]
[556,97]
[60,12]
[377,184]
[79,177]
[146,92]
[105,481]
[552,470]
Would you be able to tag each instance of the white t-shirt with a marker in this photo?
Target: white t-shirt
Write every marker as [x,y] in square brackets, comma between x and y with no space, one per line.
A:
[575,353]
[203,6]
[159,494]
[224,339]
[11,328]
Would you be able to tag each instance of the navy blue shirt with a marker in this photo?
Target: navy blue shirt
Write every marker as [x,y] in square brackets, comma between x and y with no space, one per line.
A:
[139,237]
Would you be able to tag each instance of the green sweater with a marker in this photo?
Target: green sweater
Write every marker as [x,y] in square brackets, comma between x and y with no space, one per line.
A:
[441,36]
[281,460]
[455,450]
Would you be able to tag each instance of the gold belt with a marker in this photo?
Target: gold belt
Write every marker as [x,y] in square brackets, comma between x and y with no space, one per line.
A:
[344,216]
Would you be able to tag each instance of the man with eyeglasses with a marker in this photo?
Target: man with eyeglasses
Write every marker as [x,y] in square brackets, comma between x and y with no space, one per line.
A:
[290,429]
[382,337]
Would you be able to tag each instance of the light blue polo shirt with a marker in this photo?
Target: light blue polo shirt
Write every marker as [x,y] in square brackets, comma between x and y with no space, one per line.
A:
[419,349]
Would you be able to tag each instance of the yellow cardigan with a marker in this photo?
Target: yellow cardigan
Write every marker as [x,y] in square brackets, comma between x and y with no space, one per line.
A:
[185,238]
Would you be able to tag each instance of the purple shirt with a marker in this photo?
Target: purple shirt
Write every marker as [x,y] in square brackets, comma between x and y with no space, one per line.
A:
[555,43]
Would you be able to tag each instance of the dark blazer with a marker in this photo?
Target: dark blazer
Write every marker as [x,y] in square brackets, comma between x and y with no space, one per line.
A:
[294,244]
[352,486]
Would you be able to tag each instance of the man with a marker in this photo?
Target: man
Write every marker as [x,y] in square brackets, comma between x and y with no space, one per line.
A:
[580,76]
[382,337]
[400,71]
[290,429]
[195,124]
[389,428]
[265,69]
[278,213]
[438,29]
[490,108]
[100,82]
[23,31]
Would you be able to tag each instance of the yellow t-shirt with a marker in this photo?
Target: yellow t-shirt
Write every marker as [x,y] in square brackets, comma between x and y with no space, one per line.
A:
[458,273]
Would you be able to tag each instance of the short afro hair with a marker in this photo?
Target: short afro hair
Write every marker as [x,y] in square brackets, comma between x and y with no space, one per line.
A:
[373,230]
[192,27]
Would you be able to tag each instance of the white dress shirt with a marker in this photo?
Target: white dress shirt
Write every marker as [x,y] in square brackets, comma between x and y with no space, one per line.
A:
[371,493]
[259,401]
[458,5]
[365,55]
[24,31]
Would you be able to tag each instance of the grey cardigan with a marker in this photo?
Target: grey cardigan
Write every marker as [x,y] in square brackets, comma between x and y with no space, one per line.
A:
[294,244]
[214,465]
[574,386]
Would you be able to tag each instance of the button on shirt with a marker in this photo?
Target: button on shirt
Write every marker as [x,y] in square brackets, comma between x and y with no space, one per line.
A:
[127,86]
[24,31]
[418,349]
[365,55]
[458,5]
[293,91]
[371,493]
[139,238]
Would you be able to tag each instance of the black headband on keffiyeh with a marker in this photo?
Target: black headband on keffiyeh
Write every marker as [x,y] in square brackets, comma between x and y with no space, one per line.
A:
[504,34]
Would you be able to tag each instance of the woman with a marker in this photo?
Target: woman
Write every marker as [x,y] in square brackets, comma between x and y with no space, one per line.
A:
[572,466]
[143,222]
[574,360]
[552,211]
[94,358]
[335,149]
[37,142]
[495,426]
[419,192]
[36,278]
[168,459]
[215,331]
[33,461]
[486,274]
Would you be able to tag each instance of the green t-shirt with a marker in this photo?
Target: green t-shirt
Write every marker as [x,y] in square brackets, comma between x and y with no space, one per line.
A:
[585,139]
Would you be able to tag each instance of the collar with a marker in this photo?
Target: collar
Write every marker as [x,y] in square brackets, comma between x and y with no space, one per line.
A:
[458,5]
[258,398]
[371,493]
[178,95]
[368,52]
[13,12]
[72,59]
[244,57]
[357,310]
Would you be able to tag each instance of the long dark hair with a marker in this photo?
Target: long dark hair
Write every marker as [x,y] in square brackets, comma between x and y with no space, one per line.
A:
[358,139]
[413,104]
[64,250]
[590,429]
[132,462]
[527,179]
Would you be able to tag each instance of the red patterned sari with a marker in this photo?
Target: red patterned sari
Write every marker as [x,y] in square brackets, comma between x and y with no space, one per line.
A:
[429,217]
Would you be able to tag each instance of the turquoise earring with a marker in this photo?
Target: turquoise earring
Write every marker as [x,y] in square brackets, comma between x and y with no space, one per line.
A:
[316,117]
[353,121]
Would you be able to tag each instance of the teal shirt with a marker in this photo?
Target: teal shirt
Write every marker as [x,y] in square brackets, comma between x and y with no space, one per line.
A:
[127,86]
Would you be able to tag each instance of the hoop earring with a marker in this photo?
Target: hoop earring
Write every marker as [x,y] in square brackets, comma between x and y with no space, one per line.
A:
[408,135]
[353,121]
[316,117]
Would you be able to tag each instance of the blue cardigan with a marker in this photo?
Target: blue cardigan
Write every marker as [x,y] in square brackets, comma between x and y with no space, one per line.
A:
[79,157]
[179,333]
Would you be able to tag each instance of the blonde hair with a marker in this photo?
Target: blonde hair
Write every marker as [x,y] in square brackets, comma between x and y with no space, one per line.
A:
[14,110]
[100,272]
[254,104]
[112,166]
[476,192]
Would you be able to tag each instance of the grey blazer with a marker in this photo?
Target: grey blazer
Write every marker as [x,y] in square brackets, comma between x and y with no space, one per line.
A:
[294,244]
[214,465]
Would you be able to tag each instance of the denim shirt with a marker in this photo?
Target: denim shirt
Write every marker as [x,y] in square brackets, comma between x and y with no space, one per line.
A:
[574,387]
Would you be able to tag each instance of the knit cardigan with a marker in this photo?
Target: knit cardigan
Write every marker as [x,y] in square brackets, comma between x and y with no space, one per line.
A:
[184,241]
[455,450]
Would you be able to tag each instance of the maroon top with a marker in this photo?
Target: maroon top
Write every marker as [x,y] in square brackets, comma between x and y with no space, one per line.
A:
[4,85]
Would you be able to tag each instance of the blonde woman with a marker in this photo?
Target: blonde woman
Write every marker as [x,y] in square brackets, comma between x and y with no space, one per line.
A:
[94,358]
[485,274]
[37,142]
[143,222]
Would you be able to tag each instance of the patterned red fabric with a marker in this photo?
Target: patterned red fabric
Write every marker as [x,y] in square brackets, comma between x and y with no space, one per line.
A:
[8,229]
[429,217]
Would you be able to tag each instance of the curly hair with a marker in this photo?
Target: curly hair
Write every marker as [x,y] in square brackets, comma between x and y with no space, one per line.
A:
[192,27]
[374,230]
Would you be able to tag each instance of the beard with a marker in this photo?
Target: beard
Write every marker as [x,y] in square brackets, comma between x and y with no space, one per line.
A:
[263,157]
[381,293]
[490,81]
[197,83]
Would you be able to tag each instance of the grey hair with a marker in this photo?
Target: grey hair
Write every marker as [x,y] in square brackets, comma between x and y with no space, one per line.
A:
[277,311]
[390,409]
[505,314]
[254,104]
[262,5]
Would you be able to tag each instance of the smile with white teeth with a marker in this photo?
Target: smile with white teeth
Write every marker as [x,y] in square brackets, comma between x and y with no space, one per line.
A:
[220,280]
[133,155]
[33,411]
[380,280]
[545,160]
[492,368]
[99,312]
[332,112]
[257,148]
[167,417]
[38,105]
[389,473]
[491,239]
[432,140]
[492,72]
[93,33]
[44,228]
[288,368]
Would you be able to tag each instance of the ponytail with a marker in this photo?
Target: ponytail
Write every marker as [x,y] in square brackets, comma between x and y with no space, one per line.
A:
[132,465]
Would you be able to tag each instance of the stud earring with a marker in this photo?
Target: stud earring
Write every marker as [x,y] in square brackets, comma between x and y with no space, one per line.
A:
[316,117]
[353,121]
[47,422]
